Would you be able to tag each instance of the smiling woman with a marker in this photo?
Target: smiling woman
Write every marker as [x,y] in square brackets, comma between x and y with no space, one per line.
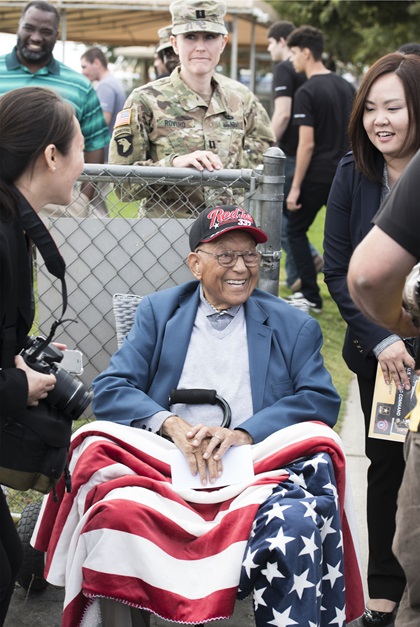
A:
[385,121]
[385,134]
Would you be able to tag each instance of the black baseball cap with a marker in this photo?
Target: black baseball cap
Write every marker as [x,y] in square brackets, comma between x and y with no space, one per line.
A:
[211,223]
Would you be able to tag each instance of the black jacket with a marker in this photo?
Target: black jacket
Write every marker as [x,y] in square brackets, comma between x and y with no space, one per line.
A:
[353,201]
[15,287]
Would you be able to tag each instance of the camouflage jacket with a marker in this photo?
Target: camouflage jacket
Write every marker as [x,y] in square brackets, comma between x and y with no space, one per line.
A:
[155,127]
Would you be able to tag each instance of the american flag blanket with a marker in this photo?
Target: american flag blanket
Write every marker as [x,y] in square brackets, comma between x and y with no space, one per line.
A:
[124,532]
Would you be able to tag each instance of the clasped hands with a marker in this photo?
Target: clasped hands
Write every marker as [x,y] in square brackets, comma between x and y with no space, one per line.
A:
[203,446]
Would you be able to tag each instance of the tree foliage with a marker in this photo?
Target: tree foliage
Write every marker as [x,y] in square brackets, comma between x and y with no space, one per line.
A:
[357,32]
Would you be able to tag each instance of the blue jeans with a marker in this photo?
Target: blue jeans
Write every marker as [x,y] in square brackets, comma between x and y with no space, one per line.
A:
[292,273]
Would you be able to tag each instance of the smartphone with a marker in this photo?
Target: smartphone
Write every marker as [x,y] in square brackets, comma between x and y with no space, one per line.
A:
[72,361]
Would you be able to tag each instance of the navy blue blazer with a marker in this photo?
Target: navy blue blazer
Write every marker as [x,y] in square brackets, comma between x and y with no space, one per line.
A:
[289,382]
[352,203]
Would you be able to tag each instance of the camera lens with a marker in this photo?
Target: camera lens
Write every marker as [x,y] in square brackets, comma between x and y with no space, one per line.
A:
[70,395]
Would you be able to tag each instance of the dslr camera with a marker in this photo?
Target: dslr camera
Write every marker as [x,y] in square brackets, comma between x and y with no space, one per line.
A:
[70,395]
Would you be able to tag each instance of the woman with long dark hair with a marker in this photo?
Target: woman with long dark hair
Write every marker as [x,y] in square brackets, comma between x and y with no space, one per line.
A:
[41,156]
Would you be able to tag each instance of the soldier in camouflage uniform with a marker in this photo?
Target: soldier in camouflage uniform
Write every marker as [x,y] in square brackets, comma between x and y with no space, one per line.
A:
[164,49]
[192,118]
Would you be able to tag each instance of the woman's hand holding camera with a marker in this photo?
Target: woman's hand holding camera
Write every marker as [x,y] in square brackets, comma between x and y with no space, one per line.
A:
[39,384]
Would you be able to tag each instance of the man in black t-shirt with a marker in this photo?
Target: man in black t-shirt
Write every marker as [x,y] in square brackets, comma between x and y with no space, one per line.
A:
[321,111]
[286,81]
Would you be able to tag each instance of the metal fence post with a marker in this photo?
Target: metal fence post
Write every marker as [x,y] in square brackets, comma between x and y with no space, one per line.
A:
[270,198]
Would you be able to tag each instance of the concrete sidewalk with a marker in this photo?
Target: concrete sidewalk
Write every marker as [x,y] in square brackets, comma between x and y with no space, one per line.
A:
[353,435]
[43,609]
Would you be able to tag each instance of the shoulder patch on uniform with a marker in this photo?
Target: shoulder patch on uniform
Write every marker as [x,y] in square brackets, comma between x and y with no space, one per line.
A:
[124,145]
[123,118]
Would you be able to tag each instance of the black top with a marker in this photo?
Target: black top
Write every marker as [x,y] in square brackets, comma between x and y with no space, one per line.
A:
[352,203]
[325,102]
[286,81]
[15,286]
[399,216]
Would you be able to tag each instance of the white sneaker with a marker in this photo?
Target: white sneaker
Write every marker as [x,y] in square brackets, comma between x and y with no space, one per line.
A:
[300,302]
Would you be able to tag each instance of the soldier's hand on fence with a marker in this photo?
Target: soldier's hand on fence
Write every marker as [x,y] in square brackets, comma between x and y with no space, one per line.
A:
[39,384]
[393,361]
[200,160]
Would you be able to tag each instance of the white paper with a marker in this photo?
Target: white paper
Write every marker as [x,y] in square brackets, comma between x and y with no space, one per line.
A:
[237,468]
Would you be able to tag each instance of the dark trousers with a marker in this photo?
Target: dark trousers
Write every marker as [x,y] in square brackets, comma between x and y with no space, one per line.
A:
[313,196]
[11,556]
[385,576]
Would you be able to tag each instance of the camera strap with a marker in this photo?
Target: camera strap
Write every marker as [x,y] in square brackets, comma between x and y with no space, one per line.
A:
[43,240]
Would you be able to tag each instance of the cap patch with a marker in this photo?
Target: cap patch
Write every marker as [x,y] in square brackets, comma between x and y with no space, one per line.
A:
[198,15]
[219,218]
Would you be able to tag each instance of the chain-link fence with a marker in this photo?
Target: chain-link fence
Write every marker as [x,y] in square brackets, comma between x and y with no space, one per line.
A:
[132,237]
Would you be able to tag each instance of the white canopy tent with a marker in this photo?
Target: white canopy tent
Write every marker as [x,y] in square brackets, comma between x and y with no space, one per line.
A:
[136,22]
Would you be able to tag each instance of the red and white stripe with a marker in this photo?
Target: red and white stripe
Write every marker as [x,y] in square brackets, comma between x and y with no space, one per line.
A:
[126,533]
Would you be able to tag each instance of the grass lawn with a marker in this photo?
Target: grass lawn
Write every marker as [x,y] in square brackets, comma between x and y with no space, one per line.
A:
[333,326]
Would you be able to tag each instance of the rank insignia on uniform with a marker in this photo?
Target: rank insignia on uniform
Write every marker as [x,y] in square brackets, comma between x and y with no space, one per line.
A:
[123,118]
[124,145]
[200,14]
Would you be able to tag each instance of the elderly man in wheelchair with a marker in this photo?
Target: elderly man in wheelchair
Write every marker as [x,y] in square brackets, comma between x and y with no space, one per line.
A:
[129,540]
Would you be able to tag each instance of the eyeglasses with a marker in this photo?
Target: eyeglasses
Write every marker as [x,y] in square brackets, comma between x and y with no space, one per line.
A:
[228,258]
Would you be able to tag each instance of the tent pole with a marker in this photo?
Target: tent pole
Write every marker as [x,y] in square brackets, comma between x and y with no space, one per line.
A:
[234,50]
[252,60]
[63,28]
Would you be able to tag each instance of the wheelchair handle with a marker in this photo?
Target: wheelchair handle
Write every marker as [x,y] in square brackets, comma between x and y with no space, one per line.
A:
[199,396]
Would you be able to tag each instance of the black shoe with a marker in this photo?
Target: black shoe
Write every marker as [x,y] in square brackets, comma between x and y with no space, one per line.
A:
[372,618]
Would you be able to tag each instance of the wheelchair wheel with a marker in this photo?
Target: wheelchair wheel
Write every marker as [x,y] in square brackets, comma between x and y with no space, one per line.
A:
[31,575]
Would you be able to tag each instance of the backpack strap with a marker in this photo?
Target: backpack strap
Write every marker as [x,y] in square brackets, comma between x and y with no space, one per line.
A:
[42,238]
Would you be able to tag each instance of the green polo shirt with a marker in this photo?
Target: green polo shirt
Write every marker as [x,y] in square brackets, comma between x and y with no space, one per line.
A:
[71,86]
